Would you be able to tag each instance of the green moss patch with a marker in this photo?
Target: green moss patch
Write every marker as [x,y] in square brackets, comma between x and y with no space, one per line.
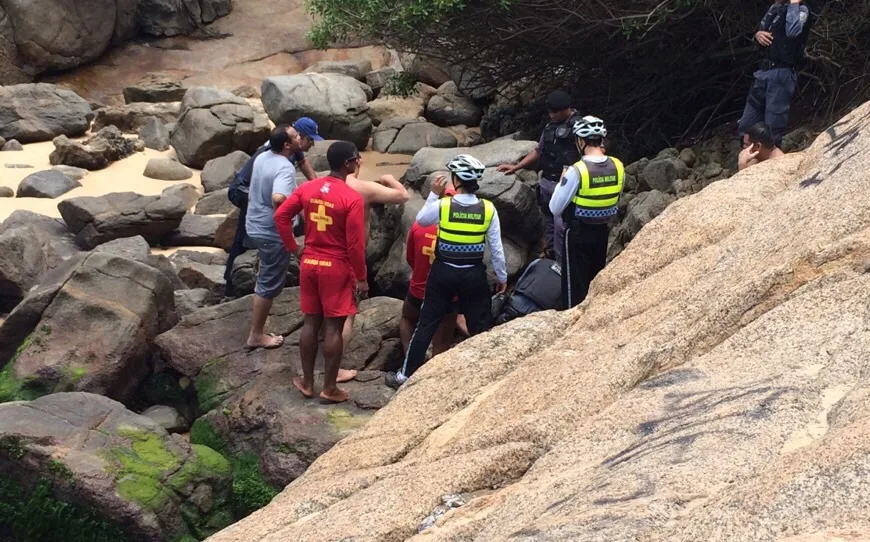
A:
[204,463]
[209,387]
[141,467]
[251,491]
[35,515]
[342,420]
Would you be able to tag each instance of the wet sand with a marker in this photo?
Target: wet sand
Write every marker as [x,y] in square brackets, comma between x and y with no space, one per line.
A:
[123,176]
[127,176]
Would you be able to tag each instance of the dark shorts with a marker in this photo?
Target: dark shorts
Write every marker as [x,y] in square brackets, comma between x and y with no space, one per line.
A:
[274,263]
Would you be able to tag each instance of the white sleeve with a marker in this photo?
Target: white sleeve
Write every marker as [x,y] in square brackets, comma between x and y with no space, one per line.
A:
[430,213]
[565,191]
[493,237]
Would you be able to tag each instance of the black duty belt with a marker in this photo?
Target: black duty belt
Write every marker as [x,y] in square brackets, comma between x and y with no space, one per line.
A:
[773,64]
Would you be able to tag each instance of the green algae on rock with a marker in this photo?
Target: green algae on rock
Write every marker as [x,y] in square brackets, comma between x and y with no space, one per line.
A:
[92,454]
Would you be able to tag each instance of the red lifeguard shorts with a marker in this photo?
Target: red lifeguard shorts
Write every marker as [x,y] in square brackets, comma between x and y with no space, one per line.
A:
[326,287]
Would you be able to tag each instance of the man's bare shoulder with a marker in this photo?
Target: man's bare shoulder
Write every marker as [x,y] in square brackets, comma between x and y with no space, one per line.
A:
[364,188]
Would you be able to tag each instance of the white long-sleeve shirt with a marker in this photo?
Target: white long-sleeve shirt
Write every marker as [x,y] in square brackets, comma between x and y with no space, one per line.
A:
[431,214]
[568,185]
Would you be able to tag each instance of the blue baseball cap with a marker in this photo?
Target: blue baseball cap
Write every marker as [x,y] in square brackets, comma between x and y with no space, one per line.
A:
[307,127]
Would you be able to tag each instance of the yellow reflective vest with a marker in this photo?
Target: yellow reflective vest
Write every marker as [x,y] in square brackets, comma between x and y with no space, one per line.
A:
[462,231]
[599,189]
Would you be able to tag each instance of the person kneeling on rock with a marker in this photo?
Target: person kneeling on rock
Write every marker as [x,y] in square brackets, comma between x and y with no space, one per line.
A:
[466,224]
[332,267]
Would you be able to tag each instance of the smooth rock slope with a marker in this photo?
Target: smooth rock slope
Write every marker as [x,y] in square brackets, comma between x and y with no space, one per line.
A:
[714,386]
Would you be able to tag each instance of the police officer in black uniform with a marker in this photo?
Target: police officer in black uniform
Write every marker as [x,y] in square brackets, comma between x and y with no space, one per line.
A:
[783,35]
[555,151]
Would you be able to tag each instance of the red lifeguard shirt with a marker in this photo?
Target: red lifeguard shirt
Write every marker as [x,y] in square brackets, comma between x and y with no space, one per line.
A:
[420,254]
[334,223]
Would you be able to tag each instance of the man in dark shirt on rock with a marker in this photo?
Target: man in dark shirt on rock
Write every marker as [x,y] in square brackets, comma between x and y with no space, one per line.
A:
[783,35]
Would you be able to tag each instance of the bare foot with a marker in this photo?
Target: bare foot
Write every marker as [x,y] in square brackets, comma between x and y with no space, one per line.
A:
[307,391]
[345,375]
[266,341]
[337,395]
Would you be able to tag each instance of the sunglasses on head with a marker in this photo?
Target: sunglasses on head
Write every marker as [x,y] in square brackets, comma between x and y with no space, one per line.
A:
[355,158]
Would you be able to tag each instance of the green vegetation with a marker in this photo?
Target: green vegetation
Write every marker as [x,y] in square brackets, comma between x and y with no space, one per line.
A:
[12,448]
[61,471]
[340,20]
[35,515]
[402,85]
[657,71]
[250,490]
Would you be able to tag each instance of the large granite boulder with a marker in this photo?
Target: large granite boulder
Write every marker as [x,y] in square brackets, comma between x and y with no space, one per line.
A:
[154,135]
[86,327]
[724,389]
[154,87]
[336,102]
[46,184]
[430,160]
[406,136]
[167,18]
[390,107]
[166,169]
[31,245]
[378,79]
[97,152]
[215,203]
[62,37]
[96,220]
[449,108]
[41,112]
[238,389]
[377,321]
[661,173]
[78,466]
[218,173]
[358,69]
[194,231]
[640,211]
[214,123]
[131,117]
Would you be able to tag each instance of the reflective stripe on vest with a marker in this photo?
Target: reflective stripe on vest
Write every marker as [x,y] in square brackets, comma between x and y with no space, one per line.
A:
[462,229]
[598,196]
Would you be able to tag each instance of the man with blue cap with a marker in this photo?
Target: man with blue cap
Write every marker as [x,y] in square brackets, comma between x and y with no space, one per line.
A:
[238,192]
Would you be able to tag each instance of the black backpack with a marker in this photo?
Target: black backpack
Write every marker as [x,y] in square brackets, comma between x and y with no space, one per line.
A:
[539,288]
[238,191]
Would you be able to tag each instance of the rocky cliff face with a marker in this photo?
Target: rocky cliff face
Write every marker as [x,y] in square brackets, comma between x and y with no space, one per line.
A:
[713,387]
[39,36]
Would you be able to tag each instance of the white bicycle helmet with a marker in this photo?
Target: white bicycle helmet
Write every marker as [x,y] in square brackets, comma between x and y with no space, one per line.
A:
[466,167]
[590,127]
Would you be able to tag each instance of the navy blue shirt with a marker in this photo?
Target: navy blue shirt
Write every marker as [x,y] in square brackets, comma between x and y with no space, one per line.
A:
[248,169]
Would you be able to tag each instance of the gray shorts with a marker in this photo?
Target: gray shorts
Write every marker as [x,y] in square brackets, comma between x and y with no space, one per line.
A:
[274,263]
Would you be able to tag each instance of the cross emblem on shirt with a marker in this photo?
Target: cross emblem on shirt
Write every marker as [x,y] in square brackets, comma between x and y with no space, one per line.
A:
[321,218]
[429,250]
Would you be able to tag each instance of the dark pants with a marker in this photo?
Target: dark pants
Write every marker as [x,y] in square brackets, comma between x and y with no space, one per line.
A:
[553,229]
[444,283]
[237,249]
[769,101]
[584,256]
